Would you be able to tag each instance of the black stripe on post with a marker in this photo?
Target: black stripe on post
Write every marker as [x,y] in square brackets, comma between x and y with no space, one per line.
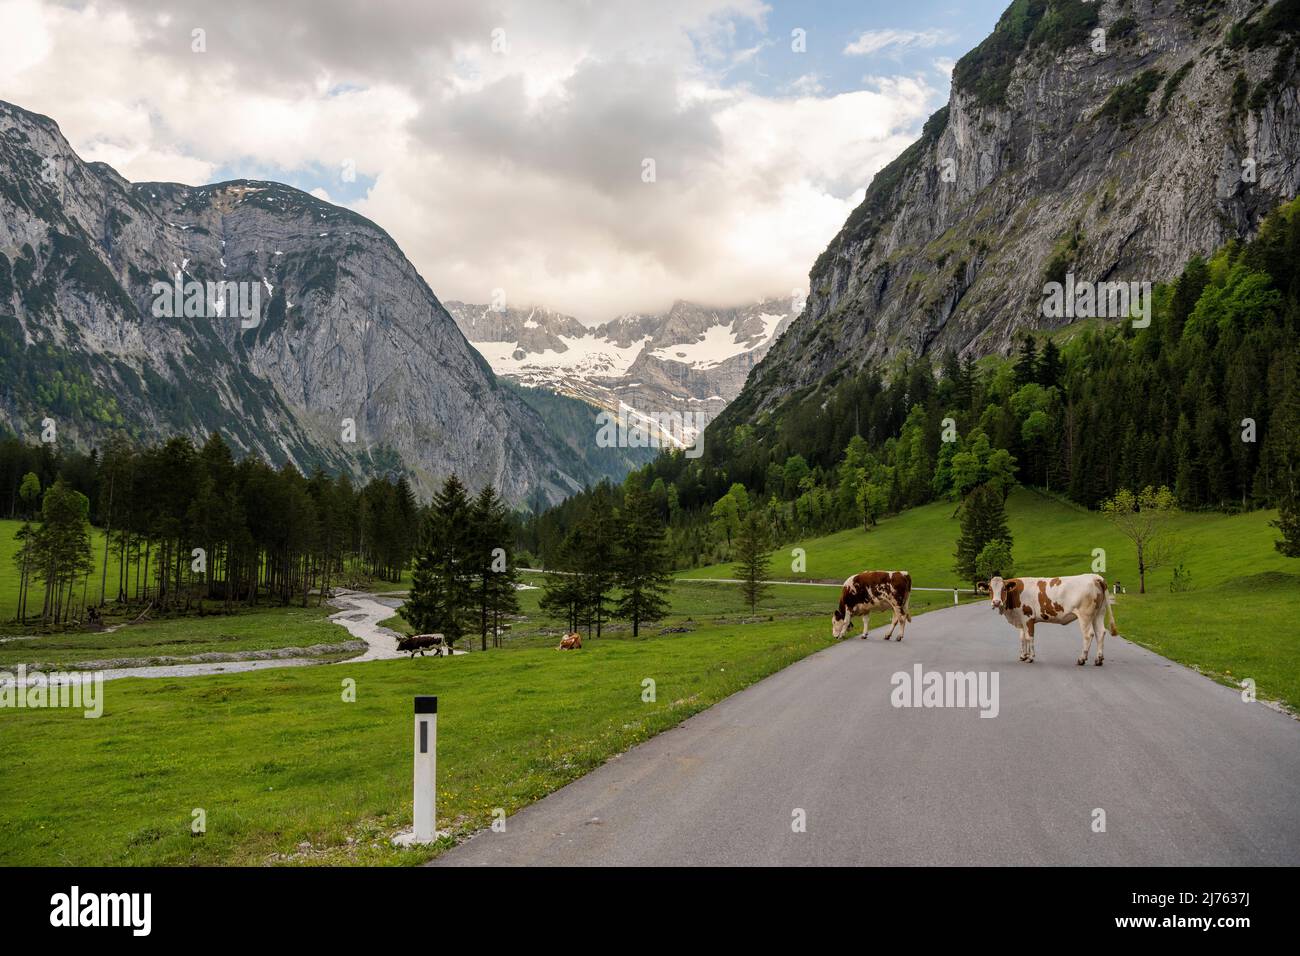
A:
[424,736]
[426,705]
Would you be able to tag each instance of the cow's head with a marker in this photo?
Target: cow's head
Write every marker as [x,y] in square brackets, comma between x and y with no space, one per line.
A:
[996,587]
[840,623]
[1005,594]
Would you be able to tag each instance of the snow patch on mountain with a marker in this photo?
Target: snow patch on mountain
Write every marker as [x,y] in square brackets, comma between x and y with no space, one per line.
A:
[691,357]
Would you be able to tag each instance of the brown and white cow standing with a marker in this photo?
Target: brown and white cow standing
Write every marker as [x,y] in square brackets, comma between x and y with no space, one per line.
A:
[1028,602]
[874,591]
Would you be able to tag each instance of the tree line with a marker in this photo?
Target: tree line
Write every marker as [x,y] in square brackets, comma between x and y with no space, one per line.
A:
[464,578]
[183,527]
[612,564]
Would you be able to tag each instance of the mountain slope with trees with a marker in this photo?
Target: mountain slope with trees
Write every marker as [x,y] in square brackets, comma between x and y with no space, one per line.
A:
[1204,400]
[1113,140]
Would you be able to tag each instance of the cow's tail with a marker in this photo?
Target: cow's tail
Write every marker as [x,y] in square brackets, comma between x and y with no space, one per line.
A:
[907,599]
[1110,614]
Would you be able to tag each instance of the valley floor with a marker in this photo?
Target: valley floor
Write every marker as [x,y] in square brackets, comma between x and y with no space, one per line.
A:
[288,770]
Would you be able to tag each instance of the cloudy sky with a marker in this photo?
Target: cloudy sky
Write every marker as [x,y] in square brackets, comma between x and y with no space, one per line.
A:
[595,157]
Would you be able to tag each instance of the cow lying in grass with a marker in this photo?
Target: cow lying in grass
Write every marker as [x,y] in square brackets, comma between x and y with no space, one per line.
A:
[874,591]
[570,642]
[423,642]
[1027,602]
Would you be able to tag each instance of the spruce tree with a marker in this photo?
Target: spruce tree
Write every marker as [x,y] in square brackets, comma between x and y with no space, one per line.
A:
[492,568]
[1288,523]
[1050,366]
[983,519]
[1026,369]
[562,594]
[442,598]
[643,570]
[753,563]
[595,559]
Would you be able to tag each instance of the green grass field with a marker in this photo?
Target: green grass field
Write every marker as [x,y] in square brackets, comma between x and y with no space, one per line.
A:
[1236,621]
[285,770]
[254,630]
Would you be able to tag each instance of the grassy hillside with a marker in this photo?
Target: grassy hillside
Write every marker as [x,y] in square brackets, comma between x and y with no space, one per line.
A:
[1051,537]
[1237,621]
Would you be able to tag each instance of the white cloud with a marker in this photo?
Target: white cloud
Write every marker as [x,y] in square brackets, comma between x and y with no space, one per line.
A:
[520,171]
[809,84]
[873,41]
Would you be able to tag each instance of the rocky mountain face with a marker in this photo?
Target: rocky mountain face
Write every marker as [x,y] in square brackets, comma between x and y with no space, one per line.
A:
[113,315]
[1105,141]
[690,358]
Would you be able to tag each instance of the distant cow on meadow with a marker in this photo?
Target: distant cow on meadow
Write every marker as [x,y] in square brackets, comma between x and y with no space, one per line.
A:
[423,642]
[1027,602]
[570,642]
[874,591]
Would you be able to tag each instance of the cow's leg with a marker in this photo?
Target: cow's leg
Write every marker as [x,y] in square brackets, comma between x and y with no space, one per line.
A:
[1099,628]
[1085,625]
[895,621]
[866,624]
[901,614]
[1024,645]
[1029,628]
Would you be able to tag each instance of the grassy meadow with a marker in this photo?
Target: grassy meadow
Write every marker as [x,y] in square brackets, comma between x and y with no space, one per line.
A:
[288,772]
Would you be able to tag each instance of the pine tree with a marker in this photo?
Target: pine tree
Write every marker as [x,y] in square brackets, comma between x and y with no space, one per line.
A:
[983,519]
[1288,523]
[493,570]
[595,559]
[1026,370]
[442,598]
[753,563]
[1050,366]
[61,553]
[562,594]
[968,385]
[643,570]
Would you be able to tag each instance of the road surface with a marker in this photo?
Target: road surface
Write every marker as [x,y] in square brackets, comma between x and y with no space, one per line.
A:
[1184,770]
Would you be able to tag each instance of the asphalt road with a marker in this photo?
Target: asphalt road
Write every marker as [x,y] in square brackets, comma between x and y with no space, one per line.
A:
[1186,772]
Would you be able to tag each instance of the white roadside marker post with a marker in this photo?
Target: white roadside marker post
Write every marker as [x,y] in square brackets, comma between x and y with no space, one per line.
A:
[426,768]
[426,774]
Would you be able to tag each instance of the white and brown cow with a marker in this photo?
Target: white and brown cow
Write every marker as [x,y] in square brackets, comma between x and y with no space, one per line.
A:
[1028,602]
[874,591]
